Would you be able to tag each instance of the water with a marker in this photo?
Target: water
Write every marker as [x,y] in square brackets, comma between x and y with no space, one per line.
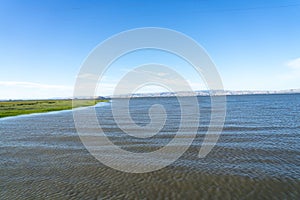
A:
[257,155]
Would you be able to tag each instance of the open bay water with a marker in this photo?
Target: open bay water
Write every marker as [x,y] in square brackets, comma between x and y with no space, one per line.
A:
[256,157]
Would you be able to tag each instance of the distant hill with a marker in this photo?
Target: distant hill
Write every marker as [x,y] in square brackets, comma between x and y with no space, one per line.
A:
[206,93]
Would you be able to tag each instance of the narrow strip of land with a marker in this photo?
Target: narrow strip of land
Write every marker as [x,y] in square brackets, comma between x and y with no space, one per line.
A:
[20,107]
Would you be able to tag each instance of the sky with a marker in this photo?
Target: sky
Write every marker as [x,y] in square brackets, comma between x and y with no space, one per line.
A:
[255,45]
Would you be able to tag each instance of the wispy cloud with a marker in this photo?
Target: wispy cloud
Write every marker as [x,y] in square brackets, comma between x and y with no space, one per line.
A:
[292,75]
[34,85]
[89,76]
[33,90]
[294,64]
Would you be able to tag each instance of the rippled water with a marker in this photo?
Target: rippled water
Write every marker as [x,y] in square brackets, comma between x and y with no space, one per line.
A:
[257,155]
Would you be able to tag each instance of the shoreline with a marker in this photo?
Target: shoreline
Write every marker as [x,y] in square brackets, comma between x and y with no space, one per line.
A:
[156,95]
[27,107]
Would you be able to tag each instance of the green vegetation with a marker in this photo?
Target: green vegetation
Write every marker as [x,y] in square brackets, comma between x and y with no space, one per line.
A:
[13,108]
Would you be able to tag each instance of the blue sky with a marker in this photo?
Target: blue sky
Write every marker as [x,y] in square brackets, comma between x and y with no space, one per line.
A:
[254,44]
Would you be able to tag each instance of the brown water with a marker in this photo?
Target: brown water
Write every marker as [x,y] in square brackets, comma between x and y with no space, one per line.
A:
[256,157]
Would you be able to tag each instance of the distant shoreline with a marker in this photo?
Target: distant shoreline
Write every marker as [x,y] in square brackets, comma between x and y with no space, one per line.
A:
[137,97]
[204,93]
[170,94]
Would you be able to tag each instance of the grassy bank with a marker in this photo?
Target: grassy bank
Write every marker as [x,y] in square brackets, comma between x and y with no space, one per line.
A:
[13,108]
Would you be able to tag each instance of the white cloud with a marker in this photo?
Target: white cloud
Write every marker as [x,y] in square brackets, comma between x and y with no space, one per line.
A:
[89,76]
[33,85]
[105,88]
[290,78]
[31,90]
[199,85]
[294,64]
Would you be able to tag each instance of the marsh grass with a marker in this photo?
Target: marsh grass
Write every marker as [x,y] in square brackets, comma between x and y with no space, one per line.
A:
[13,108]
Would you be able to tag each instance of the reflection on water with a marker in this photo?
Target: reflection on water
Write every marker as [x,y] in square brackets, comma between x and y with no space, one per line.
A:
[257,155]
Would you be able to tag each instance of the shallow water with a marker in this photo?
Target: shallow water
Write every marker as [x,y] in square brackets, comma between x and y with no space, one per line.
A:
[257,155]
